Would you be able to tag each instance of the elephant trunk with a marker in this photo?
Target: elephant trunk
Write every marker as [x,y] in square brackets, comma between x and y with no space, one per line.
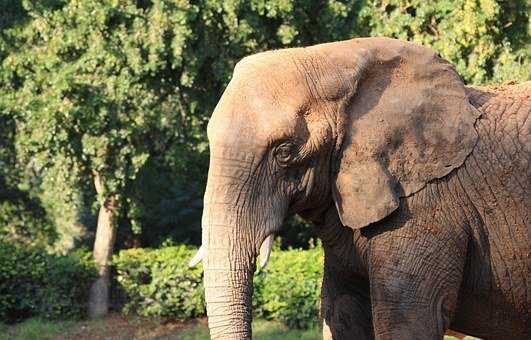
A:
[229,261]
[228,288]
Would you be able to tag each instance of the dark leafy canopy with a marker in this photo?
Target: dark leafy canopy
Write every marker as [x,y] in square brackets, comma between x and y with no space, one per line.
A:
[94,83]
[125,87]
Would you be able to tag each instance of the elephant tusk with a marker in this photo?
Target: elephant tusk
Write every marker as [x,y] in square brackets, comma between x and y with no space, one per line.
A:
[198,257]
[265,250]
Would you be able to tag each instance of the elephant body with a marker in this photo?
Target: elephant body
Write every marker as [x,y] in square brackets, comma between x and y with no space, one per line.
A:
[456,254]
[419,187]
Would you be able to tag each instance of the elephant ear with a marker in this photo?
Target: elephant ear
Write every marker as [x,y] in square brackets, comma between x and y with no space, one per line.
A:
[408,122]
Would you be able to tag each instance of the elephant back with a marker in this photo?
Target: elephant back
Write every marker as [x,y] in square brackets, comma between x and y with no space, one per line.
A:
[496,179]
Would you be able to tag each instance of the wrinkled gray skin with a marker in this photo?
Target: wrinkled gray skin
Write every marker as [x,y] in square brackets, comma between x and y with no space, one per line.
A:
[419,188]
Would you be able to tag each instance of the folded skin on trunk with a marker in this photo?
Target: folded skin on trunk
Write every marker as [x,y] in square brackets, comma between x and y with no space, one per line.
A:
[228,294]
[229,262]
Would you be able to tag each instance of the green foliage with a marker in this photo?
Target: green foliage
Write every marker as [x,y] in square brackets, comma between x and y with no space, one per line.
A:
[487,40]
[262,330]
[118,86]
[296,233]
[22,217]
[94,86]
[158,282]
[289,288]
[88,92]
[65,200]
[167,204]
[34,283]
[22,220]
[12,13]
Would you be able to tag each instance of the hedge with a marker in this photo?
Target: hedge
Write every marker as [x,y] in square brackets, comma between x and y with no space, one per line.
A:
[158,282]
[34,283]
[289,287]
[152,282]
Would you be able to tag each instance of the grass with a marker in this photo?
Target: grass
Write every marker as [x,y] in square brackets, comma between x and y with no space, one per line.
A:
[35,329]
[262,330]
[271,330]
[117,327]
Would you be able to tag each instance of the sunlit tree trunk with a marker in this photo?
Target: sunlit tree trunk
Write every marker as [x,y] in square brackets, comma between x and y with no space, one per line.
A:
[102,253]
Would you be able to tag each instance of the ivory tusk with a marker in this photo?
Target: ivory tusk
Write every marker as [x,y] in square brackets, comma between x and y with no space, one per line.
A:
[198,257]
[265,250]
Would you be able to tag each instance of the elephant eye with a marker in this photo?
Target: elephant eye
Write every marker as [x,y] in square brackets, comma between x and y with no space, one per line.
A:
[284,153]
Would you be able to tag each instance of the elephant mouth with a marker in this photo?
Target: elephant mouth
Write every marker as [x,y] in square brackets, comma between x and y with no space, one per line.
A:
[264,253]
[315,213]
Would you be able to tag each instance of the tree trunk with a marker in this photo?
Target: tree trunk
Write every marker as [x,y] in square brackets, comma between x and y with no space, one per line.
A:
[102,253]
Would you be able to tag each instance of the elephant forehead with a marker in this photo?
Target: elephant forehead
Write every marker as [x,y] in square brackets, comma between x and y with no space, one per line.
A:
[243,125]
[257,106]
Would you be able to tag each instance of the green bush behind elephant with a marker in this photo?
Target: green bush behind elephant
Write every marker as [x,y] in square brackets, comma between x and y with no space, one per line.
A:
[158,283]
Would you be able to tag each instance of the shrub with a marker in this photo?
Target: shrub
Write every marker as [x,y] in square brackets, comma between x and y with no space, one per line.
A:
[155,282]
[34,283]
[158,282]
[289,287]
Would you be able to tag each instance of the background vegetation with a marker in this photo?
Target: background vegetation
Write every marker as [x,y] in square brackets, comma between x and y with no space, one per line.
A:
[152,283]
[34,283]
[104,103]
[125,88]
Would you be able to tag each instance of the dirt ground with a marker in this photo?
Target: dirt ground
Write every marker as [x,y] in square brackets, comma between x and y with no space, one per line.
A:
[113,327]
[119,327]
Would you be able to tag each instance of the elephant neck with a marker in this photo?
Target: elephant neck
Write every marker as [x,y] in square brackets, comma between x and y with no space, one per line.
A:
[320,216]
[329,229]
[345,249]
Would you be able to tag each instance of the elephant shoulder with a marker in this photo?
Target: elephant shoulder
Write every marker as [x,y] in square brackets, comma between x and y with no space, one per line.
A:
[499,163]
[505,111]
[511,98]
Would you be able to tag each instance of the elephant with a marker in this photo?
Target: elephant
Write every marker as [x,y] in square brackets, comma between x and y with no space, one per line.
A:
[417,185]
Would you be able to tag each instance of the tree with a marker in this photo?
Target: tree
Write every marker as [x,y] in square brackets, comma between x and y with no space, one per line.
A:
[91,85]
[22,217]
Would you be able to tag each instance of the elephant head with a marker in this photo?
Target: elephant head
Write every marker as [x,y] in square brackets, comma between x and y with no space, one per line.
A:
[356,124]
